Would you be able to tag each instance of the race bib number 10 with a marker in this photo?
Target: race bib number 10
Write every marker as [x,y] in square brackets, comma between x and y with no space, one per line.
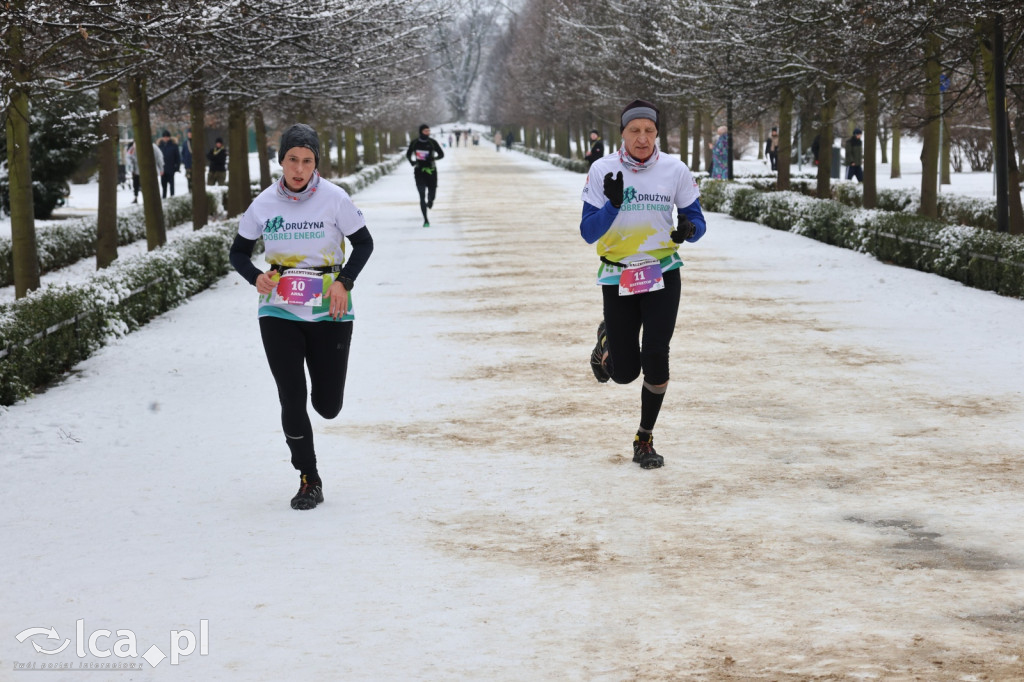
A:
[641,277]
[300,287]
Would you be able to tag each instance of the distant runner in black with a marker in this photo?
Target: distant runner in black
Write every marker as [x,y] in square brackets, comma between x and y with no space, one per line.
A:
[422,154]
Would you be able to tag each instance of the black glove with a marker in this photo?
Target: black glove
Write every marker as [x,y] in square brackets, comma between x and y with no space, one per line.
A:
[613,188]
[683,231]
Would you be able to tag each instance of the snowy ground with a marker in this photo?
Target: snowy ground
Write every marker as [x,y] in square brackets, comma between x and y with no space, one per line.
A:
[841,497]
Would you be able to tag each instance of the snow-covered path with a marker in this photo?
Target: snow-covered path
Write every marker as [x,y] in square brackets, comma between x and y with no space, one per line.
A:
[843,492]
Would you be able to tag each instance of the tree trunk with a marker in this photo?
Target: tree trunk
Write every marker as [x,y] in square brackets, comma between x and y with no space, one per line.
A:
[1014,199]
[930,135]
[825,137]
[370,155]
[325,168]
[149,177]
[262,153]
[106,153]
[197,117]
[697,149]
[785,151]
[945,151]
[897,131]
[870,139]
[985,28]
[808,126]
[339,140]
[614,140]
[684,131]
[709,135]
[19,169]
[883,141]
[760,140]
[351,151]
[562,141]
[239,194]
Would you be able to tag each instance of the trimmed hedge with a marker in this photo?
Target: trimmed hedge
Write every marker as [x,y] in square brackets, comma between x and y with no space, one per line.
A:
[60,245]
[574,165]
[53,328]
[49,331]
[980,258]
[368,175]
[954,209]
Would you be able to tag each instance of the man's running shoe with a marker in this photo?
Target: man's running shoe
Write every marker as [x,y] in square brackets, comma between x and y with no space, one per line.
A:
[644,454]
[310,494]
[597,356]
[426,224]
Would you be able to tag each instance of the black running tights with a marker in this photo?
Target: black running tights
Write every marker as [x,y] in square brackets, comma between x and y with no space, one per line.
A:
[291,346]
[426,185]
[625,317]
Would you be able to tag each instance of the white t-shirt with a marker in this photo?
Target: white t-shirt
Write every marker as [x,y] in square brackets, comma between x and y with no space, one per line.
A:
[302,230]
[646,217]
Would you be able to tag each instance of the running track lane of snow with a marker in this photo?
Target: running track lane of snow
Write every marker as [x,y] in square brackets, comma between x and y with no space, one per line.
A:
[842,490]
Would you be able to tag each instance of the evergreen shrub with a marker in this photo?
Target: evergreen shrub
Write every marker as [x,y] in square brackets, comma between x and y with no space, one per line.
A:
[46,333]
[977,257]
[65,243]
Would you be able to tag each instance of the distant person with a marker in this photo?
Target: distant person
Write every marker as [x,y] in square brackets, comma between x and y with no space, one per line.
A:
[305,309]
[596,147]
[630,203]
[172,163]
[771,148]
[218,158]
[458,134]
[855,156]
[186,157]
[816,149]
[422,154]
[132,154]
[720,155]
[498,139]
[132,163]
[509,139]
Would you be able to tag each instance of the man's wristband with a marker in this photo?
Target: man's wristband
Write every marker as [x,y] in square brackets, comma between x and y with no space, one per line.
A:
[345,282]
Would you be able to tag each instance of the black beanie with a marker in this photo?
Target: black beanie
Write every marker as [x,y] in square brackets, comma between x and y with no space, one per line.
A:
[299,135]
[639,108]
[423,126]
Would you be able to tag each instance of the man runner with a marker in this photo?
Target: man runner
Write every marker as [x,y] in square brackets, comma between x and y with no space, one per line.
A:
[422,153]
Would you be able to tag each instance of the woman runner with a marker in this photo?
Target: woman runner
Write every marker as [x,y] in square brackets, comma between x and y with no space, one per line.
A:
[627,212]
[305,310]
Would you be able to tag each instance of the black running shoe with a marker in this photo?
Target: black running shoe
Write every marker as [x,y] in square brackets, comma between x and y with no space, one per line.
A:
[597,356]
[644,454]
[310,494]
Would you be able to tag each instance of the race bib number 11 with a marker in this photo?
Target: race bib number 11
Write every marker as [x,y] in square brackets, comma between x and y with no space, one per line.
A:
[300,287]
[641,277]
